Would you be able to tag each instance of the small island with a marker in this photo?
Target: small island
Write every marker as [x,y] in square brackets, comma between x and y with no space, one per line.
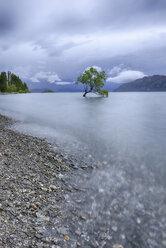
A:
[48,91]
[10,83]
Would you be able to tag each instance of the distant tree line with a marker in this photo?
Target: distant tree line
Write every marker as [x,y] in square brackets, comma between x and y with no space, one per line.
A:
[12,84]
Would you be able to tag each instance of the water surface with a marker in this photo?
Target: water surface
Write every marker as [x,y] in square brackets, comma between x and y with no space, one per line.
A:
[126,133]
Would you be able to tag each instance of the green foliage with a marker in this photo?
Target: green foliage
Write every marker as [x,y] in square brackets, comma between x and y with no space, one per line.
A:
[11,88]
[21,91]
[12,83]
[103,92]
[3,82]
[25,88]
[92,80]
[17,82]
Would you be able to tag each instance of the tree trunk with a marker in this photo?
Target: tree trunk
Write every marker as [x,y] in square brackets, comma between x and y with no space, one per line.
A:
[84,95]
[86,92]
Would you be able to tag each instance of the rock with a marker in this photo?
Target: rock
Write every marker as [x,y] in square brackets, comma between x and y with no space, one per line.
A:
[62,230]
[1,207]
[42,217]
[114,228]
[95,243]
[117,246]
[53,187]
[66,237]
[39,236]
[45,189]
[78,232]
[34,206]
[138,221]
[123,236]
[84,167]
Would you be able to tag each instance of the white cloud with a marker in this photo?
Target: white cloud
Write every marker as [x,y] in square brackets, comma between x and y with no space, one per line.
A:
[117,69]
[126,76]
[63,83]
[21,71]
[34,80]
[51,77]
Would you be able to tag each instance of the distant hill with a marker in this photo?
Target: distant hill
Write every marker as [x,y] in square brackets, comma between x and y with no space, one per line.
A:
[45,86]
[150,83]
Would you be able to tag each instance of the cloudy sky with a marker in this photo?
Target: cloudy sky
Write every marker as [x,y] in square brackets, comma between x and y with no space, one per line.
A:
[55,40]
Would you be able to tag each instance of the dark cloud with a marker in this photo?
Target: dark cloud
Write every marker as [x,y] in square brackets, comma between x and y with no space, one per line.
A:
[64,37]
[7,19]
[153,5]
[6,24]
[129,13]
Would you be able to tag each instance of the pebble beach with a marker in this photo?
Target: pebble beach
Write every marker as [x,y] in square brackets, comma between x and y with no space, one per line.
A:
[48,198]
[30,187]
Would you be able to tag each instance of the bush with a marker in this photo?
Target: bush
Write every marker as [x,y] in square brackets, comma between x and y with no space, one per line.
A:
[103,92]
[11,88]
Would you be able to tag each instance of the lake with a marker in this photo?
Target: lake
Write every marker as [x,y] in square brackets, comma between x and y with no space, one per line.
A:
[126,134]
[124,126]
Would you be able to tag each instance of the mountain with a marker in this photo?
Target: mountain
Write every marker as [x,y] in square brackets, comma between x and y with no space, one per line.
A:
[150,83]
[44,86]
[36,88]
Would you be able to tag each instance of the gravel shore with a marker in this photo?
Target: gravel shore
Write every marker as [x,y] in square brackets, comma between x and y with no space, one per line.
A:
[49,198]
[31,187]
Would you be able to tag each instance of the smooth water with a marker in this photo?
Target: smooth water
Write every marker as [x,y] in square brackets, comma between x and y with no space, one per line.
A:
[123,126]
[126,132]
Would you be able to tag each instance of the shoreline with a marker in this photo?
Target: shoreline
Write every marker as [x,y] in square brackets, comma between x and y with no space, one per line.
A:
[31,188]
[48,198]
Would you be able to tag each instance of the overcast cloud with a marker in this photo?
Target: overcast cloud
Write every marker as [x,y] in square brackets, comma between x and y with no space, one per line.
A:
[56,40]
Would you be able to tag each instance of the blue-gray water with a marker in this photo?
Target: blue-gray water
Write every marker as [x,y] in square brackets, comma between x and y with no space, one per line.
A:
[126,132]
[130,126]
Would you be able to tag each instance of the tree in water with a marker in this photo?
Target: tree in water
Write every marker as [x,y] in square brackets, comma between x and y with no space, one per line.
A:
[93,81]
